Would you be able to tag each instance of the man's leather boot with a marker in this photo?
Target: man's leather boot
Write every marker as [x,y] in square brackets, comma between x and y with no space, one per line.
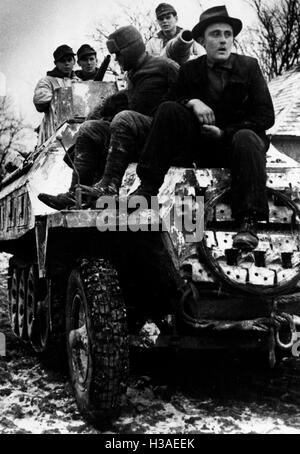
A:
[61,201]
[116,165]
[102,188]
[84,174]
[246,239]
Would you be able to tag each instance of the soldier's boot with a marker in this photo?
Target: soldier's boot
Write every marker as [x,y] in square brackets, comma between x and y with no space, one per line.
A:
[84,164]
[110,183]
[63,200]
[246,239]
[106,186]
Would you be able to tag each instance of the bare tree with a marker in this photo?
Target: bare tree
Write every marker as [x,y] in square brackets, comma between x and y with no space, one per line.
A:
[136,14]
[276,39]
[11,128]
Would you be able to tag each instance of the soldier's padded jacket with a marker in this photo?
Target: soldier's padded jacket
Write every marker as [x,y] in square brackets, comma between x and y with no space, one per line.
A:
[245,102]
[148,85]
[43,95]
[46,86]
[150,82]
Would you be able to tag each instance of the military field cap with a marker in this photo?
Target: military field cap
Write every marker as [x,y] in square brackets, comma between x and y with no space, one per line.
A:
[62,51]
[213,16]
[85,49]
[164,8]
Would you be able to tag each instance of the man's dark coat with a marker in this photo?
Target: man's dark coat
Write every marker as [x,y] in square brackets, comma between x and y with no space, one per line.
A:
[245,102]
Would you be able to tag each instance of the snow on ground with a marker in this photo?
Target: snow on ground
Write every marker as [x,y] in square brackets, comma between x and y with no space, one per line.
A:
[168,394]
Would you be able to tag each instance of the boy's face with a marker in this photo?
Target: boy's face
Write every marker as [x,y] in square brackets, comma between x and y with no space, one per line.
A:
[217,41]
[167,22]
[88,63]
[65,64]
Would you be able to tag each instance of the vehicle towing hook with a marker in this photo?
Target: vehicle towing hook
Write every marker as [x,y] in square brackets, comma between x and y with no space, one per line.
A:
[292,334]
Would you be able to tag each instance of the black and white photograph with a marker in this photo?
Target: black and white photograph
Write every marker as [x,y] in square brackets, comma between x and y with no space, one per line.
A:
[150,219]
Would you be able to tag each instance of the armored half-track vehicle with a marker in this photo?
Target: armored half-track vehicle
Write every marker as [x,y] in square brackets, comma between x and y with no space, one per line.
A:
[91,278]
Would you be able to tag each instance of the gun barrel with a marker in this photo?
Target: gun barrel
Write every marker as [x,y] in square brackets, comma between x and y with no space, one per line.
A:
[103,68]
[178,48]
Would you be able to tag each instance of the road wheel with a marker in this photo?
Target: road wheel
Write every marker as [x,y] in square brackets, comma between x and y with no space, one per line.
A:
[97,341]
[49,329]
[13,295]
[22,304]
[37,310]
[42,325]
[31,306]
[45,314]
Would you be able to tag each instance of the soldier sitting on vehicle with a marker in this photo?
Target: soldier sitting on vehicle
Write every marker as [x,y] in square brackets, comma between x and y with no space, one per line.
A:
[149,80]
[61,76]
[172,41]
[87,60]
[223,108]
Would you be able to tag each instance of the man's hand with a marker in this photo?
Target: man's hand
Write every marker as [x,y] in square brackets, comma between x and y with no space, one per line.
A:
[203,112]
[211,131]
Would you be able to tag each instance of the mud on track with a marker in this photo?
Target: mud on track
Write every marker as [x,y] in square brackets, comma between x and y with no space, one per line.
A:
[168,393]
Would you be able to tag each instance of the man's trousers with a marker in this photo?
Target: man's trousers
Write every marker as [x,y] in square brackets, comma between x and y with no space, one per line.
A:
[176,139]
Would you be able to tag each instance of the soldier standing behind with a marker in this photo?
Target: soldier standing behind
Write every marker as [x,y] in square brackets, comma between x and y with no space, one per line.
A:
[58,77]
[87,60]
[172,41]
[61,76]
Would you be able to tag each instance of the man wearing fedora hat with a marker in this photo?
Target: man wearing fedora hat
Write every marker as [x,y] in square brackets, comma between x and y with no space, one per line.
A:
[220,110]
[61,76]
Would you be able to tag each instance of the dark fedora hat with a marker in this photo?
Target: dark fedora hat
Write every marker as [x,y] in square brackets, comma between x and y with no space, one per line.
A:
[214,15]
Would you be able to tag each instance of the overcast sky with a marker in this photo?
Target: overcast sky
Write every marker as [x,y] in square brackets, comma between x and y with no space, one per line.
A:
[32,29]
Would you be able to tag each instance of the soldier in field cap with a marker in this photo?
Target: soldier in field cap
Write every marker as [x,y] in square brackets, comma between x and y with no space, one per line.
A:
[87,60]
[62,75]
[58,77]
[114,133]
[218,115]
[167,19]
[164,8]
